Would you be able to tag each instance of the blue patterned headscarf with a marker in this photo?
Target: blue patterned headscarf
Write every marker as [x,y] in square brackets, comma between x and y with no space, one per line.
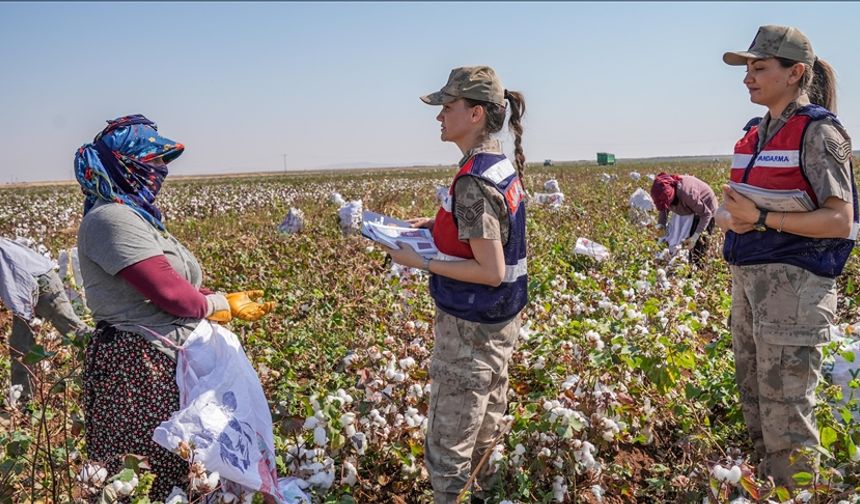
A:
[117,166]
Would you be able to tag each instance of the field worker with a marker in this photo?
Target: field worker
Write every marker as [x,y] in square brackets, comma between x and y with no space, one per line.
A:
[784,265]
[686,195]
[30,287]
[143,288]
[478,280]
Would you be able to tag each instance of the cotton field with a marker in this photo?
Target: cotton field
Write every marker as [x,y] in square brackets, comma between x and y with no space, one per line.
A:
[621,387]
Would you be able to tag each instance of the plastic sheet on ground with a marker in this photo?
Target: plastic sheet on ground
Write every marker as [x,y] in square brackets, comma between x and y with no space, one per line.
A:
[551,186]
[553,200]
[586,247]
[293,222]
[223,412]
[350,217]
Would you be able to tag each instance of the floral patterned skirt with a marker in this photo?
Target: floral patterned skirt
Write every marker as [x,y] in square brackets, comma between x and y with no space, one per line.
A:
[129,388]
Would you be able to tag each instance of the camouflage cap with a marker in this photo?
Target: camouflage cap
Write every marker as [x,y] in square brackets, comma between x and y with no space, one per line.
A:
[475,82]
[773,41]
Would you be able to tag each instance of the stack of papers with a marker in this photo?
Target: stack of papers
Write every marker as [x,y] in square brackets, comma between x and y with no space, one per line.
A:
[388,231]
[776,200]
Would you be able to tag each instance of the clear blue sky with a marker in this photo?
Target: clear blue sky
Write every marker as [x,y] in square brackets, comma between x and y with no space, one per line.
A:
[338,83]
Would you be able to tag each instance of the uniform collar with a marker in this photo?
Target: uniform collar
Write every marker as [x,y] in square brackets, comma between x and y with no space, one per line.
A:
[490,145]
[766,130]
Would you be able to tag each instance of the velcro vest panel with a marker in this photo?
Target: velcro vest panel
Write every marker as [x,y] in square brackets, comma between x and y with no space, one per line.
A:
[476,302]
[779,166]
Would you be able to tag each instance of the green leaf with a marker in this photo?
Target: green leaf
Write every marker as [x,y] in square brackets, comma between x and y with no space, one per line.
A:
[848,355]
[802,478]
[37,353]
[783,494]
[828,437]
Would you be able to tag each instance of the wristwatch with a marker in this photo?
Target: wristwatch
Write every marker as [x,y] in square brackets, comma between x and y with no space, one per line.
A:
[759,224]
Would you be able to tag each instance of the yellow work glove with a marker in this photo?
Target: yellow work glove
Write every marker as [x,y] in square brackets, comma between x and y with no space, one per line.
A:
[243,305]
[219,308]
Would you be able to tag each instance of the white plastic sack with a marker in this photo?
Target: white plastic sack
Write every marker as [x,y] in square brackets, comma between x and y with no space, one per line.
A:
[223,411]
[554,200]
[586,247]
[293,222]
[678,229]
[551,186]
[337,199]
[634,175]
[642,201]
[350,217]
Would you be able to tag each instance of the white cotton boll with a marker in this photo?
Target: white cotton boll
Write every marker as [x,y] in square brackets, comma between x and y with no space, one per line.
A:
[547,406]
[544,452]
[14,396]
[343,396]
[349,431]
[558,463]
[322,479]
[320,436]
[310,423]
[597,491]
[407,363]
[733,475]
[539,363]
[347,419]
[720,473]
[506,502]
[559,489]
[350,474]
[416,391]
[741,500]
[519,450]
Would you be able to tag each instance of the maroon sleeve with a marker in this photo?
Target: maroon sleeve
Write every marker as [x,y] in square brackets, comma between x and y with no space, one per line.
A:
[156,279]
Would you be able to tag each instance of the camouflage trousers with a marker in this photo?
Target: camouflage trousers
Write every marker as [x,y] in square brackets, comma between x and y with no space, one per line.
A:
[780,319]
[468,398]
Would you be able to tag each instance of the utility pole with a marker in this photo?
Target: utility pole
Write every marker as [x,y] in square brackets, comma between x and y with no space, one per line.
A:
[285,163]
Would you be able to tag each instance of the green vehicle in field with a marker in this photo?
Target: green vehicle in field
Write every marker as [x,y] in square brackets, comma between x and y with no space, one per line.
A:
[605,158]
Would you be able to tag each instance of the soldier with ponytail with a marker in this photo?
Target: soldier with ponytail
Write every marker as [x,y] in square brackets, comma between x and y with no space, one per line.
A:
[478,279]
[784,264]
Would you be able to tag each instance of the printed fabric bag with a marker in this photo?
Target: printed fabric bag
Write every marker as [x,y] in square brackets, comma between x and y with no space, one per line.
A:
[223,413]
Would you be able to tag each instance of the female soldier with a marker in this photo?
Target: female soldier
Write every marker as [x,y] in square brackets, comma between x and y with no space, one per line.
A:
[784,265]
[478,280]
[143,288]
[687,195]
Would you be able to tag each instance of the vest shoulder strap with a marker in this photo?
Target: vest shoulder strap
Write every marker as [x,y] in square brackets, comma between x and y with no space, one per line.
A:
[752,123]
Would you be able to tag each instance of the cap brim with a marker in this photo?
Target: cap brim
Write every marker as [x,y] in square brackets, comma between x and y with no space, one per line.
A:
[740,58]
[438,98]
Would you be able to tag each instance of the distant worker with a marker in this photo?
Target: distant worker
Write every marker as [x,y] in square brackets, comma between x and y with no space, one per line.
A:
[687,195]
[30,287]
[784,264]
[478,280]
